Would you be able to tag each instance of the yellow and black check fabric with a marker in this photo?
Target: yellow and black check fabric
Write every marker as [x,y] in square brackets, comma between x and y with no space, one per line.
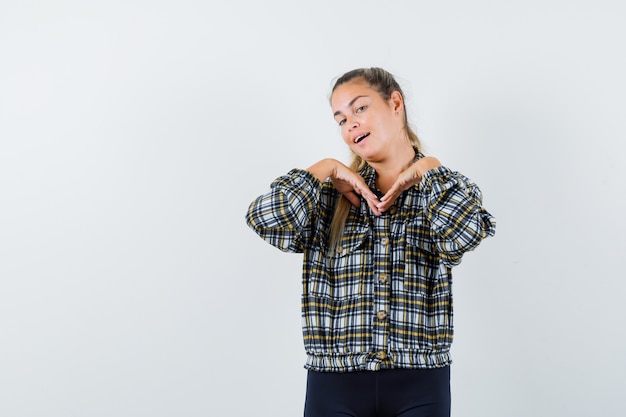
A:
[382,298]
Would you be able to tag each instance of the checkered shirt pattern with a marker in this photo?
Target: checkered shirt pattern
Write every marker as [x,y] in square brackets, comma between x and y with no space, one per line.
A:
[383,298]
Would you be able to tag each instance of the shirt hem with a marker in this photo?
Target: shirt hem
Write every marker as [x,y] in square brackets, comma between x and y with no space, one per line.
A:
[412,359]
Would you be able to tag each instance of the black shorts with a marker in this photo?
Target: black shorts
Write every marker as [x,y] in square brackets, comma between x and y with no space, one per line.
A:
[386,393]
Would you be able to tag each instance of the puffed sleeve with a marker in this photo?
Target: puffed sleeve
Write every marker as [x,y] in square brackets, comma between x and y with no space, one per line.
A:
[454,208]
[283,215]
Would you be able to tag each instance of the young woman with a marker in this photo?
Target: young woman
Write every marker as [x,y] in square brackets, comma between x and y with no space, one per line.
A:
[379,240]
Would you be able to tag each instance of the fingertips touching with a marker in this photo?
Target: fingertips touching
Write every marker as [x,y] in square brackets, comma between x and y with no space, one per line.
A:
[375,210]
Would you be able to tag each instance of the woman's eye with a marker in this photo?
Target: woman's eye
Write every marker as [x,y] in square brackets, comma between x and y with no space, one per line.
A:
[342,122]
[361,109]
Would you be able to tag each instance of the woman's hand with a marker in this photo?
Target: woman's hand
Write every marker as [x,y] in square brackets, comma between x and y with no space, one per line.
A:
[407,178]
[349,183]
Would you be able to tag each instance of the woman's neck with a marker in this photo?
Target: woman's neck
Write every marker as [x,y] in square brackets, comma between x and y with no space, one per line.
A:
[388,170]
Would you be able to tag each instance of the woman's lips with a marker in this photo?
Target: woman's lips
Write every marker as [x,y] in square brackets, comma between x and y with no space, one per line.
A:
[361,137]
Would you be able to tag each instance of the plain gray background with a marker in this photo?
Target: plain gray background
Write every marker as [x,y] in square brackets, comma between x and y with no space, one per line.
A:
[134,134]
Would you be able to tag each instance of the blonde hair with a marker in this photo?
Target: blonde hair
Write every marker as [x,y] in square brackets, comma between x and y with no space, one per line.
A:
[385,83]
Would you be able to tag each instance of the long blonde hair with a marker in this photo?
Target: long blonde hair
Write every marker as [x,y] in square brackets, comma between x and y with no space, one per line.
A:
[385,83]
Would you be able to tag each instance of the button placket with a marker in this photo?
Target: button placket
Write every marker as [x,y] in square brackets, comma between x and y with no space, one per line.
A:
[382,268]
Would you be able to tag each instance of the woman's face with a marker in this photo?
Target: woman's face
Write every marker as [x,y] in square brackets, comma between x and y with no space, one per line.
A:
[369,125]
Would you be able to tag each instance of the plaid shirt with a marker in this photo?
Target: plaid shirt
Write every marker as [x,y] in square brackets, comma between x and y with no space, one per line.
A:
[383,298]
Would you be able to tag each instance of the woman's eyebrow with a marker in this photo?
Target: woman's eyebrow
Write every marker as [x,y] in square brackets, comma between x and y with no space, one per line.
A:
[349,104]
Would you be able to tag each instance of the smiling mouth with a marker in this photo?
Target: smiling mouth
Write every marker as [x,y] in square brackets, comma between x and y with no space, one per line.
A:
[360,138]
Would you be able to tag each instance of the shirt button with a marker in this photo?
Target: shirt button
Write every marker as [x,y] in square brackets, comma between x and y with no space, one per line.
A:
[383,278]
[340,250]
[393,209]
[384,241]
[381,354]
[382,315]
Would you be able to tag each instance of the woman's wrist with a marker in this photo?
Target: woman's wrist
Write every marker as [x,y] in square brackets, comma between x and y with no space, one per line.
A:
[323,169]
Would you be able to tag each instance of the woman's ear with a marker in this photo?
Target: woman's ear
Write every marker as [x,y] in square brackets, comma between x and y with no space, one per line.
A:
[397,102]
